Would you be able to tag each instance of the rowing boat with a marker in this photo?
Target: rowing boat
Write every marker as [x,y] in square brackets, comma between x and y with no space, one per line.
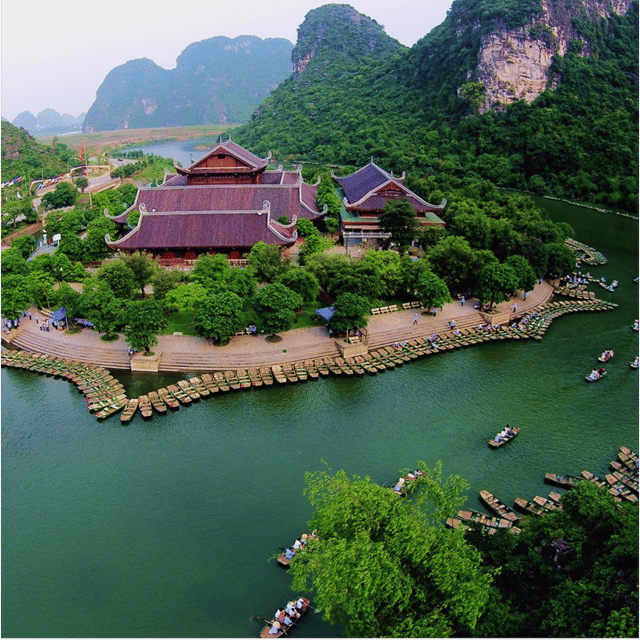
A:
[144,404]
[130,408]
[283,630]
[563,481]
[493,443]
[499,508]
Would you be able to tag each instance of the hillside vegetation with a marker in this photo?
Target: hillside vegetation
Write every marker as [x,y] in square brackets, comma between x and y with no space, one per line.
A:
[401,106]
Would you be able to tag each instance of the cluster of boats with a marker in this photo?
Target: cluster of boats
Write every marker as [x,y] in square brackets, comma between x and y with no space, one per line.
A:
[622,483]
[606,356]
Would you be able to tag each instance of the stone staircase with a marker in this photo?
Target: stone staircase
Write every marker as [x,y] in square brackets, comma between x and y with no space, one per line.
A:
[41,342]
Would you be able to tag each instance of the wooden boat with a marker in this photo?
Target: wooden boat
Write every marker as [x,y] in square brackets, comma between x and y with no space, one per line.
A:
[497,507]
[628,461]
[188,389]
[266,375]
[605,358]
[630,454]
[278,373]
[199,386]
[367,366]
[243,379]
[563,481]
[221,381]
[626,488]
[470,515]
[283,631]
[529,507]
[355,367]
[344,367]
[300,371]
[111,409]
[179,394]
[321,366]
[103,404]
[254,376]
[456,523]
[593,478]
[156,402]
[494,444]
[312,371]
[128,411]
[332,366]
[144,404]
[168,398]
[209,382]
[624,470]
[547,504]
[408,483]
[289,372]
[588,379]
[232,380]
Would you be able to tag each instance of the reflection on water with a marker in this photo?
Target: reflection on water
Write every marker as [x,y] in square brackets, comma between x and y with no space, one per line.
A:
[168,527]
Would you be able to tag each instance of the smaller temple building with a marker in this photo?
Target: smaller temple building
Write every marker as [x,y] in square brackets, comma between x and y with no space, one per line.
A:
[366,192]
[225,202]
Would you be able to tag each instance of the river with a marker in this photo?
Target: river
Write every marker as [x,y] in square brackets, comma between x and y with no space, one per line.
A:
[169,527]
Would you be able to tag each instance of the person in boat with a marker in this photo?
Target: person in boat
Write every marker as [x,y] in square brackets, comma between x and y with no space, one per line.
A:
[601,371]
[279,616]
[635,362]
[636,325]
[289,553]
[399,485]
[510,431]
[291,610]
[297,544]
[300,605]
[594,375]
[276,627]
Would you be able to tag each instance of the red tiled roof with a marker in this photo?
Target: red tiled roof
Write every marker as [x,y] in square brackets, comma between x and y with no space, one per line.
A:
[172,230]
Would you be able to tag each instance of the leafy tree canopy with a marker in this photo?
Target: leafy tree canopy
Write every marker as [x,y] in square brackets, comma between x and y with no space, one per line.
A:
[275,304]
[219,316]
[351,312]
[143,321]
[384,566]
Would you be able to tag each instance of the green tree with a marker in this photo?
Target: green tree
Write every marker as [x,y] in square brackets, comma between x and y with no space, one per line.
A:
[64,195]
[209,269]
[524,273]
[26,245]
[398,218]
[119,277]
[219,316]
[187,295]
[143,266]
[561,261]
[276,306]
[99,305]
[95,246]
[451,259]
[81,183]
[13,262]
[432,291]
[383,566]
[163,281]
[266,261]
[351,312]
[496,283]
[66,296]
[17,295]
[143,320]
[302,282]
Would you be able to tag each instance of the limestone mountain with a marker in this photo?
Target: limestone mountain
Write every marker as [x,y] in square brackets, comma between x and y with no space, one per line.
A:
[215,80]
[48,121]
[529,94]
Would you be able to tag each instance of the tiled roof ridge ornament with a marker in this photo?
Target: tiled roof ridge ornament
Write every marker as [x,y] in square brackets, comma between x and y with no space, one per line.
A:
[266,208]
[142,207]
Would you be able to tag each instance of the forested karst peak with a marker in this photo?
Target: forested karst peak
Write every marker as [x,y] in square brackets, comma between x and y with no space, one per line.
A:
[339,28]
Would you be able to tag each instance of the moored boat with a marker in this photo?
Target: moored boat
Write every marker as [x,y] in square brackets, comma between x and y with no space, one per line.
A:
[168,398]
[144,404]
[156,402]
[493,443]
[529,507]
[562,481]
[499,508]
[130,408]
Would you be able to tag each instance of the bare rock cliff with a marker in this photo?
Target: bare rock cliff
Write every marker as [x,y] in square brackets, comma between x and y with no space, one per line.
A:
[513,64]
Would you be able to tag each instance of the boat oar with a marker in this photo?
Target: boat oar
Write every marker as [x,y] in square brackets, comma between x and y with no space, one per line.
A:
[261,619]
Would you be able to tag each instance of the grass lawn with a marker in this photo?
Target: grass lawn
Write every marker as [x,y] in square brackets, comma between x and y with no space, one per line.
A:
[181,321]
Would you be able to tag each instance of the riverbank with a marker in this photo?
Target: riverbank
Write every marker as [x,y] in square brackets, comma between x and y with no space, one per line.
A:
[185,353]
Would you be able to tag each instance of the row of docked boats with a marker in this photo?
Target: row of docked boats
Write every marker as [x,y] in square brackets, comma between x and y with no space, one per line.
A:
[622,482]
[104,394]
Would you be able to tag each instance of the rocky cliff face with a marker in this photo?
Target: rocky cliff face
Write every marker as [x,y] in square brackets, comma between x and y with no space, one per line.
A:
[514,64]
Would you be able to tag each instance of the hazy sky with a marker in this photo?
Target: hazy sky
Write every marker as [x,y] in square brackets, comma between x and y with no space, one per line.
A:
[56,53]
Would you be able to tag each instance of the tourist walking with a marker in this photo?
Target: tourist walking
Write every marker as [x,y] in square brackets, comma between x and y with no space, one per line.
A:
[415,318]
[462,301]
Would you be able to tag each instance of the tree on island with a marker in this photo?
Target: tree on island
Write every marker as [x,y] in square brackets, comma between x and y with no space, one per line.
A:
[351,312]
[276,307]
[219,316]
[496,283]
[143,319]
[431,291]
[384,566]
[398,218]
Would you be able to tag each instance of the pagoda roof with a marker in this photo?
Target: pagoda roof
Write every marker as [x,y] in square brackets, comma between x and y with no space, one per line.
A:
[286,199]
[205,230]
[366,188]
[250,163]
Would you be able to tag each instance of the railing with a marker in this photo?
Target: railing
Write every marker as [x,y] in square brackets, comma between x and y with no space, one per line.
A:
[366,234]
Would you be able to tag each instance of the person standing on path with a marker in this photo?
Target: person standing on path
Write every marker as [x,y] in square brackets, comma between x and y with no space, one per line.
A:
[515,307]
[415,318]
[462,301]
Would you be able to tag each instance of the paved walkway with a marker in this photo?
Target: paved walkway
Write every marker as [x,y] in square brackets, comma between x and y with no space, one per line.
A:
[184,353]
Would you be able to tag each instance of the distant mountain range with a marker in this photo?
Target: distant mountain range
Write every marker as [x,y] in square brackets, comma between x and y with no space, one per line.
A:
[48,121]
[215,81]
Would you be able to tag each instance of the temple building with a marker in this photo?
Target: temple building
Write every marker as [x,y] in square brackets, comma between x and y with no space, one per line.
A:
[366,192]
[225,202]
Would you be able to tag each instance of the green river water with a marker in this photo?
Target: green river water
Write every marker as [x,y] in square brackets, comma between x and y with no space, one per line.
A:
[168,527]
